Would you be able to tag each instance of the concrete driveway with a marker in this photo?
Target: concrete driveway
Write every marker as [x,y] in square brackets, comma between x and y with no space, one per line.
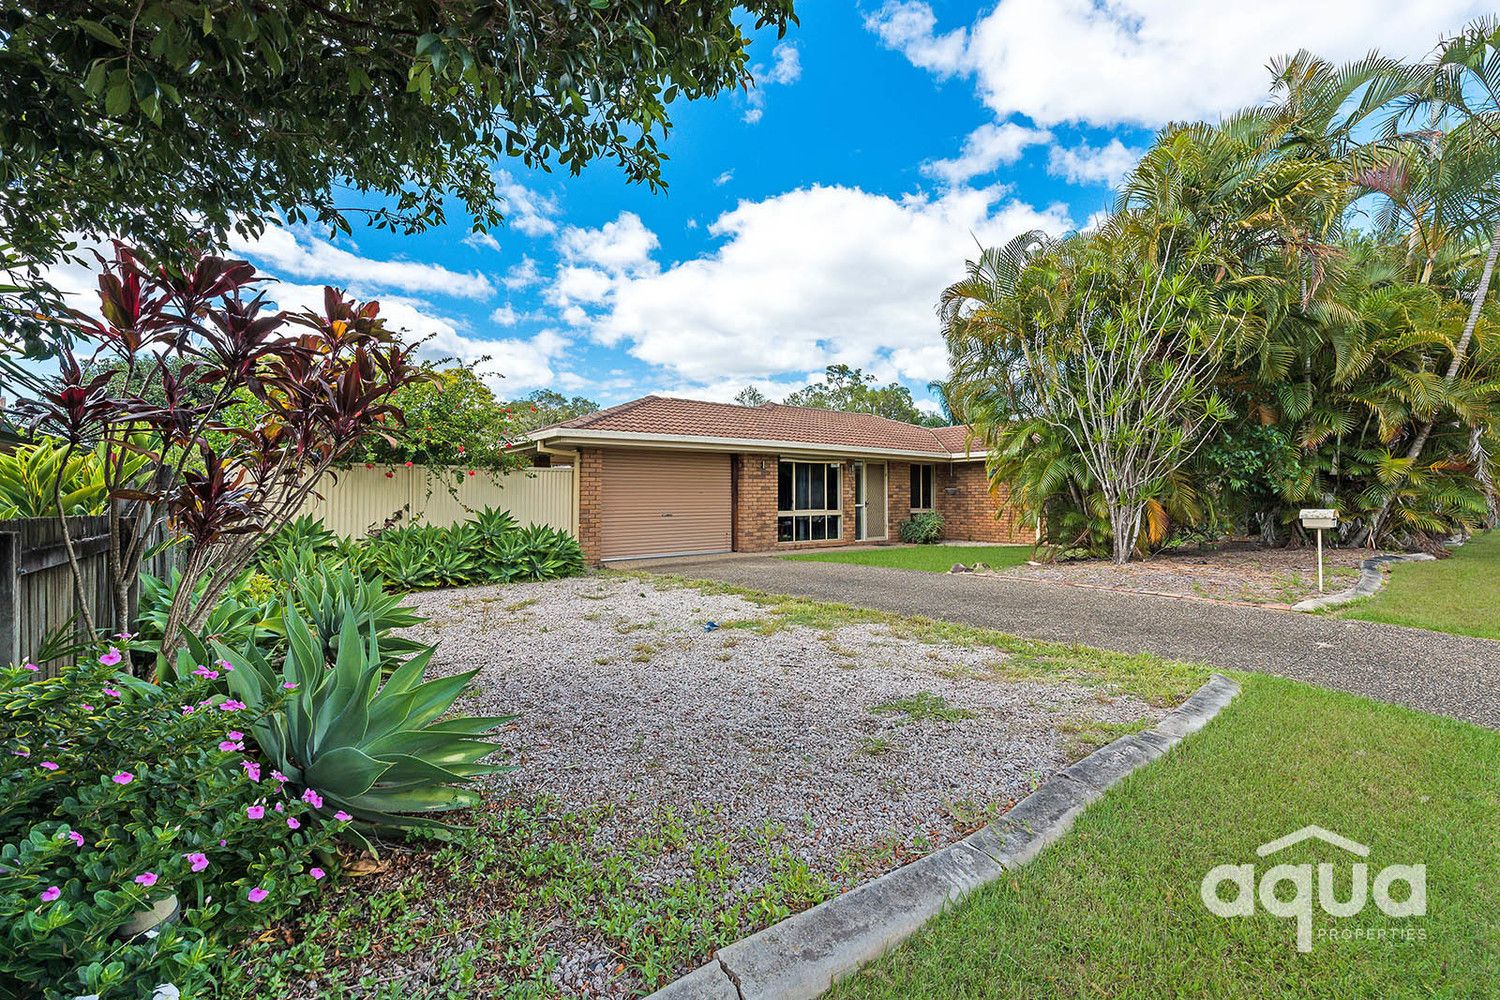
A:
[1431,671]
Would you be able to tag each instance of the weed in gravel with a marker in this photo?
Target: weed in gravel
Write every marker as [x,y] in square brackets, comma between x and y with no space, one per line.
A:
[1087,735]
[521,605]
[874,746]
[643,651]
[921,706]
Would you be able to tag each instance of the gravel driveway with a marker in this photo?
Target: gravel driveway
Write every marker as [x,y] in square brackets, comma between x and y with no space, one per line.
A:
[624,697]
[1430,671]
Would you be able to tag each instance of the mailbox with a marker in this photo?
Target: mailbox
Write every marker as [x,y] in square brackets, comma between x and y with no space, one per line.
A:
[1319,517]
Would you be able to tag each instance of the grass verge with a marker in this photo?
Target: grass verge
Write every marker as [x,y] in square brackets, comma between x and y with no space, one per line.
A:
[929,558]
[1114,909]
[1460,594]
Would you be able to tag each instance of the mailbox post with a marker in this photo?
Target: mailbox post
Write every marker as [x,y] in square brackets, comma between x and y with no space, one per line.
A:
[1319,518]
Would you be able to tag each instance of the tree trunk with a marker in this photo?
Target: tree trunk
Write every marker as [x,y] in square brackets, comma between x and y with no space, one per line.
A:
[1125,526]
[1460,354]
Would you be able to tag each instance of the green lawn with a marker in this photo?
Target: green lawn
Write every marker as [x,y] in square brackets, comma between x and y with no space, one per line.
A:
[931,558]
[1113,910]
[1460,594]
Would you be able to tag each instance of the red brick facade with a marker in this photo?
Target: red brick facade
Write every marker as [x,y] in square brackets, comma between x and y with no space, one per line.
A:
[591,504]
[968,511]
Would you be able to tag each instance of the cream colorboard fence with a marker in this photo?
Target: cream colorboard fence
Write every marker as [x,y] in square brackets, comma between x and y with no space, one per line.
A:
[359,500]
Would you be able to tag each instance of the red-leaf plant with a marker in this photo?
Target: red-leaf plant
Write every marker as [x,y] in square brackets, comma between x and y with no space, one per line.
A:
[176,348]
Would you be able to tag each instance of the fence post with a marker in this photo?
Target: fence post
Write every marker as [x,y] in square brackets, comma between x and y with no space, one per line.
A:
[10,598]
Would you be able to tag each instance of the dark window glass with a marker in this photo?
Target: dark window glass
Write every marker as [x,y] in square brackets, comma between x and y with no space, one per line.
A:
[921,487]
[784,487]
[783,529]
[833,526]
[835,500]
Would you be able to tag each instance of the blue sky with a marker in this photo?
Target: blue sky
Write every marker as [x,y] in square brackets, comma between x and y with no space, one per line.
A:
[816,218]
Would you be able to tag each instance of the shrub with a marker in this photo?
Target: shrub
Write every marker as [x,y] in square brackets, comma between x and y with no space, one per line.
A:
[922,529]
[377,750]
[116,794]
[492,548]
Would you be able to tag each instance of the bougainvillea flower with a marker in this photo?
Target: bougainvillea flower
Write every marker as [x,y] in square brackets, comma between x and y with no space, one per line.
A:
[255,812]
[313,799]
[256,895]
[110,658]
[50,893]
[146,879]
[252,769]
[197,860]
[316,873]
[293,822]
[123,778]
[48,765]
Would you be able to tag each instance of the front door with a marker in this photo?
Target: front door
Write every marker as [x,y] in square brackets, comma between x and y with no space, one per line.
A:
[874,518]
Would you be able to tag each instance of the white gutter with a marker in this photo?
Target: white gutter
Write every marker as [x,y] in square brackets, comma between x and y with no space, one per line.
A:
[572,438]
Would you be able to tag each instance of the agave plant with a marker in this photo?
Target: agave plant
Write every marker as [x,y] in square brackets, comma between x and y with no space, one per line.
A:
[405,561]
[383,752]
[455,558]
[331,597]
[540,552]
[241,615]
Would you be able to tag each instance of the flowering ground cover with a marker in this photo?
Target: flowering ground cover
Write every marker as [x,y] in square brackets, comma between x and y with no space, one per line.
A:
[692,763]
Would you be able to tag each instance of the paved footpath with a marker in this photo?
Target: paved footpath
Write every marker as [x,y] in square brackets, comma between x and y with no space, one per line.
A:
[1432,671]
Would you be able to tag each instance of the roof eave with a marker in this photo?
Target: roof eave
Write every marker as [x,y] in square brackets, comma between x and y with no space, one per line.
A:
[568,436]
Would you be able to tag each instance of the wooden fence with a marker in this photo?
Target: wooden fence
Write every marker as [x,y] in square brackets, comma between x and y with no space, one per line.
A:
[356,501]
[37,598]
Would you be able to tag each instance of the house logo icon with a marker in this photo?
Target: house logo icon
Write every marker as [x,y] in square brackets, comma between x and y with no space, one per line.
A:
[1338,894]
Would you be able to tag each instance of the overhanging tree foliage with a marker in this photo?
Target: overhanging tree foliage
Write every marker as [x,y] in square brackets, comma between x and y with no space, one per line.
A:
[158,121]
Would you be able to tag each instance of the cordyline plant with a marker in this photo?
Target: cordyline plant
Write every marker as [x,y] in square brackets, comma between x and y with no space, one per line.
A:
[179,348]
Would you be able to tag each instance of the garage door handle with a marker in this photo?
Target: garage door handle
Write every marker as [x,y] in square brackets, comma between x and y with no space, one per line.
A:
[666,513]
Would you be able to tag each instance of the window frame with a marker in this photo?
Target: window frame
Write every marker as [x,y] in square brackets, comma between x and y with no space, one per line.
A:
[923,474]
[809,518]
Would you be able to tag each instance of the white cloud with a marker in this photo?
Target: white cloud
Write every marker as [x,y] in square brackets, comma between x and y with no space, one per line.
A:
[1147,62]
[785,68]
[812,277]
[724,178]
[986,148]
[622,245]
[522,275]
[527,211]
[481,241]
[302,255]
[1085,164]
[504,315]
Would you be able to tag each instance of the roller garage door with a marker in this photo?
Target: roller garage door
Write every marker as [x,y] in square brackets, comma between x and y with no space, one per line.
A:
[659,503]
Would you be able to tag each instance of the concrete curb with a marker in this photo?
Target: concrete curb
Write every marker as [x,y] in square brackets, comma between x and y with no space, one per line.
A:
[1371,579]
[803,955]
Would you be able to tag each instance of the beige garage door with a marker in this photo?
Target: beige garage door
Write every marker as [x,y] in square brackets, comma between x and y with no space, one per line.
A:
[665,503]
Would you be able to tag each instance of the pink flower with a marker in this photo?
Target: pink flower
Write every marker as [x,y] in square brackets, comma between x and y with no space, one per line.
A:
[316,873]
[256,895]
[48,765]
[21,753]
[235,734]
[50,893]
[110,658]
[278,776]
[124,636]
[279,807]
[313,799]
[255,812]
[75,837]
[342,816]
[147,879]
[252,769]
[198,860]
[123,778]
[293,822]
[112,692]
[202,671]
[290,685]
[30,666]
[88,708]
[230,705]
[230,745]
[225,666]
[187,709]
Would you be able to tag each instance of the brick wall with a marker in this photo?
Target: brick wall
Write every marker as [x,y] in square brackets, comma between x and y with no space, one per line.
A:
[590,474]
[969,512]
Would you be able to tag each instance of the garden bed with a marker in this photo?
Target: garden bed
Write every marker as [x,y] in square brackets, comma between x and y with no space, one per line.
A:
[1235,571]
[680,787]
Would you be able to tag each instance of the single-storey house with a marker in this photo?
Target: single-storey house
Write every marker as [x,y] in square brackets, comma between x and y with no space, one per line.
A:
[665,477]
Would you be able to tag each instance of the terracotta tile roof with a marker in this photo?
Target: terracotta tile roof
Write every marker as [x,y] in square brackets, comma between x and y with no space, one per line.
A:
[768,422]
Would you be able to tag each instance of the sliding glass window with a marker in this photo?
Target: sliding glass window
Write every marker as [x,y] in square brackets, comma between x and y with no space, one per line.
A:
[809,502]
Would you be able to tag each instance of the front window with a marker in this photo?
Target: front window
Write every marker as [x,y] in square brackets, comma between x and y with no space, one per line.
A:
[921,487]
[809,502]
